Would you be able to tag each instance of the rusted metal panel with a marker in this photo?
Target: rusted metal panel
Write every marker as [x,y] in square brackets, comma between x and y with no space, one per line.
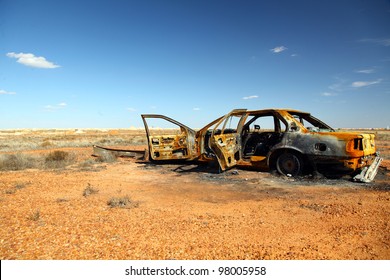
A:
[226,147]
[99,151]
[169,147]
[177,144]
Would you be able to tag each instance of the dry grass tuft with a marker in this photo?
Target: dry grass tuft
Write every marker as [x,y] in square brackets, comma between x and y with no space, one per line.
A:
[17,161]
[10,191]
[106,156]
[58,159]
[89,190]
[57,156]
[18,186]
[122,202]
[35,216]
[61,200]
[21,161]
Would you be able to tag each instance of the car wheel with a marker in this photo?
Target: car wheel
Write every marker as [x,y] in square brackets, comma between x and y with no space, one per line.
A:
[289,164]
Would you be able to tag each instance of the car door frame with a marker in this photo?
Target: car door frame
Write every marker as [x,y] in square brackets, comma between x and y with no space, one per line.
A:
[181,146]
[227,146]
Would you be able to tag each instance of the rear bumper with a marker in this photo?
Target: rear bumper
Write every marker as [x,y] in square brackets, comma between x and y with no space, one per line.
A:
[365,167]
[369,172]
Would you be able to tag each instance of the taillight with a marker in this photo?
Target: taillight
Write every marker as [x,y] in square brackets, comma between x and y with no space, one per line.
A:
[358,144]
[355,144]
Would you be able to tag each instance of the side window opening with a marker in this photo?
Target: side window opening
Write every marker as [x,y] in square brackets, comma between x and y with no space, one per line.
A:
[260,134]
[230,125]
[160,127]
[266,123]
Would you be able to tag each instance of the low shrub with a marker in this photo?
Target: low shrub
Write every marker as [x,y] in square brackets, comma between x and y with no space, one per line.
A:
[17,161]
[35,216]
[122,202]
[47,144]
[58,159]
[106,157]
[61,200]
[89,190]
[10,191]
[20,186]
[57,156]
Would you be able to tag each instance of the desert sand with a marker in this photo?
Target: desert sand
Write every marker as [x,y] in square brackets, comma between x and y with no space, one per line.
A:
[131,209]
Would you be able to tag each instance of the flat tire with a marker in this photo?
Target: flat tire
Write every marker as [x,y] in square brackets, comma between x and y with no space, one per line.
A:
[289,164]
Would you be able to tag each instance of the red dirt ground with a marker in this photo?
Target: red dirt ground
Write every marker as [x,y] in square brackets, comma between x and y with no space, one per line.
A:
[189,212]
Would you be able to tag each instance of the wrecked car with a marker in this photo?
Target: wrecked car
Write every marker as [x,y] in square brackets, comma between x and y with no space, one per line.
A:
[289,141]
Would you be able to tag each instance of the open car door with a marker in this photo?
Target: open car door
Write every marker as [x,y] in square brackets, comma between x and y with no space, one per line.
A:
[225,140]
[169,139]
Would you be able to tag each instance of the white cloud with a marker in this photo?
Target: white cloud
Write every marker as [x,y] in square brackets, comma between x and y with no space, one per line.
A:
[340,85]
[52,108]
[383,42]
[29,59]
[359,84]
[250,97]
[365,71]
[327,94]
[278,49]
[131,110]
[196,109]
[6,92]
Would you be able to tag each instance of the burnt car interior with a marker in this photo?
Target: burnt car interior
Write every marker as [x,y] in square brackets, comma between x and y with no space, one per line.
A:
[208,151]
[260,133]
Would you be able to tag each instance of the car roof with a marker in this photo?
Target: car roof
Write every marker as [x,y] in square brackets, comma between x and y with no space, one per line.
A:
[273,110]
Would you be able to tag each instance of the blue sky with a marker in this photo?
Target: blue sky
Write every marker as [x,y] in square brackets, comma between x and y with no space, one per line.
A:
[100,64]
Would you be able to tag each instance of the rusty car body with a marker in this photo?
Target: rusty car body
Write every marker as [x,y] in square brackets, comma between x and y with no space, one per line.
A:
[289,141]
